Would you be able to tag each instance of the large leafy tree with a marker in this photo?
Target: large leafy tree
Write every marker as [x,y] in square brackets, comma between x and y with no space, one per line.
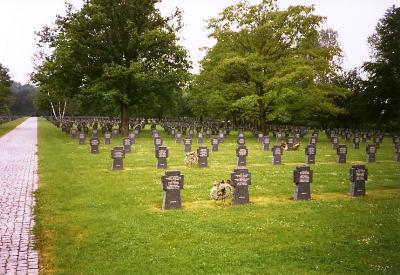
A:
[120,53]
[382,89]
[269,64]
[5,91]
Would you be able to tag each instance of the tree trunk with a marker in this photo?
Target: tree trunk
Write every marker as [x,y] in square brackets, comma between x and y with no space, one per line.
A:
[262,122]
[262,127]
[124,119]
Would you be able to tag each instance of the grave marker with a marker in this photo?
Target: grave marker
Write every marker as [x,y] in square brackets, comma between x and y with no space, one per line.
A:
[126,142]
[162,155]
[371,151]
[172,183]
[276,155]
[302,177]
[241,153]
[118,155]
[107,138]
[241,179]
[310,151]
[266,143]
[94,145]
[214,144]
[81,138]
[187,142]
[341,152]
[358,175]
[202,154]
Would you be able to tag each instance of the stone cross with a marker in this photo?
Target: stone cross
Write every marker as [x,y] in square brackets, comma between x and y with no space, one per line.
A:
[335,142]
[162,155]
[94,133]
[214,144]
[127,145]
[200,138]
[187,142]
[118,155]
[341,152]
[241,153]
[266,143]
[371,151]
[202,154]
[81,138]
[157,142]
[276,155]
[172,183]
[241,179]
[356,142]
[241,141]
[310,151]
[132,137]
[302,177]
[115,132]
[107,138]
[94,145]
[358,174]
[178,137]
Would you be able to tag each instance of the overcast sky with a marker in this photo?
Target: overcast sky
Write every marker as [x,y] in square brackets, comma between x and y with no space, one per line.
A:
[354,20]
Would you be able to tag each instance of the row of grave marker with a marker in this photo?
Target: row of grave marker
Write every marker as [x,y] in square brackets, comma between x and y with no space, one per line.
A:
[173,181]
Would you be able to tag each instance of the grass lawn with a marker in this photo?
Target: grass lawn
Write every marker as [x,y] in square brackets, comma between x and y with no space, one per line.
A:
[7,127]
[91,220]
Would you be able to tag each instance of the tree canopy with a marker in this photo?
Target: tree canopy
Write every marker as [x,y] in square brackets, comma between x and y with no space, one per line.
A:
[269,64]
[5,91]
[115,53]
[382,89]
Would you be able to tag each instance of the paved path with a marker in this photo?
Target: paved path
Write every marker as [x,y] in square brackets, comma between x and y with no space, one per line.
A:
[18,181]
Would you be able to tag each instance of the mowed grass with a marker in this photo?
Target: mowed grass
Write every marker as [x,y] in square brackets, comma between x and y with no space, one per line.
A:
[91,220]
[8,126]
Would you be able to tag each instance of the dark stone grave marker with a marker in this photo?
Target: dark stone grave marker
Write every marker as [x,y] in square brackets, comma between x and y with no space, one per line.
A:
[358,175]
[214,144]
[118,155]
[127,145]
[371,152]
[260,137]
[115,132]
[310,151]
[95,133]
[266,143]
[200,138]
[341,152]
[202,154]
[73,133]
[187,142]
[335,142]
[81,138]
[178,137]
[107,138]
[241,179]
[356,142]
[157,142]
[290,143]
[276,155]
[132,137]
[172,183]
[313,140]
[241,141]
[241,153]
[94,145]
[162,155]
[302,177]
